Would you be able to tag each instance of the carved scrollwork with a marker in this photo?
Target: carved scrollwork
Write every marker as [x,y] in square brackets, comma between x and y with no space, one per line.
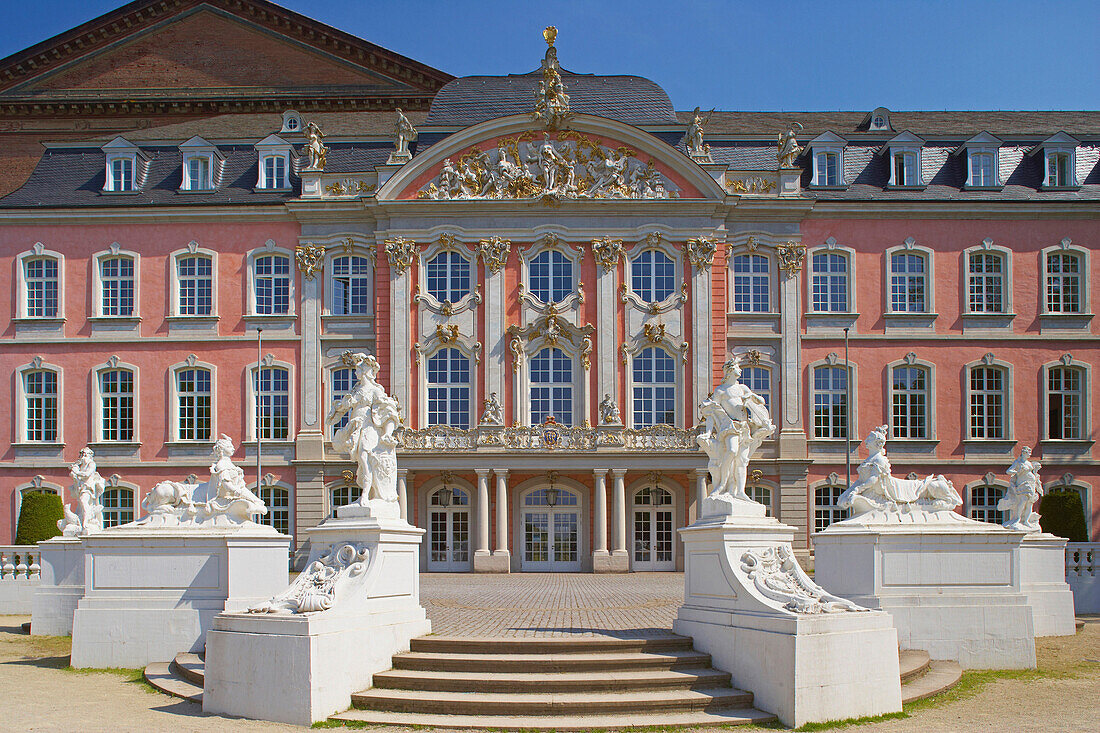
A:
[777,577]
[700,251]
[316,588]
[494,252]
[607,252]
[402,253]
[309,259]
[791,256]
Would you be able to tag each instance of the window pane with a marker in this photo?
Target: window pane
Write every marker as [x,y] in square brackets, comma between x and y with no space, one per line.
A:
[194,408]
[449,389]
[272,273]
[1064,400]
[987,403]
[41,276]
[40,390]
[983,504]
[830,282]
[118,507]
[278,508]
[759,380]
[910,398]
[1063,283]
[551,275]
[907,283]
[196,286]
[825,509]
[654,376]
[986,283]
[551,387]
[343,380]
[830,402]
[448,276]
[751,280]
[116,278]
[273,402]
[351,281]
[116,389]
[653,276]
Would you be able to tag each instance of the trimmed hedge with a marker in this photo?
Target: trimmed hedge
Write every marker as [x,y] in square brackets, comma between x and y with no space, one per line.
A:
[1063,514]
[38,518]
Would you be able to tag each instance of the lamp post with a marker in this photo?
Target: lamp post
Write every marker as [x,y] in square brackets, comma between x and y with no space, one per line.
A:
[847,415]
[259,404]
[552,492]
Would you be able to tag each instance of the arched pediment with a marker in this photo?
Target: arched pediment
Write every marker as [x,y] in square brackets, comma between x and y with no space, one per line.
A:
[516,158]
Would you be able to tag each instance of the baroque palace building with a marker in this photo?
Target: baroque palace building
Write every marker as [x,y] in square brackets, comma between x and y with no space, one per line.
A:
[552,269]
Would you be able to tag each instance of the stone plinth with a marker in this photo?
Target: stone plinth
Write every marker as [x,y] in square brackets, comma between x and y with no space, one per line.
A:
[62,586]
[302,667]
[1043,581]
[615,561]
[151,593]
[951,584]
[806,655]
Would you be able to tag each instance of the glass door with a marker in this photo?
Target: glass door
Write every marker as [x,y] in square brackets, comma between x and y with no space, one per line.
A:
[653,531]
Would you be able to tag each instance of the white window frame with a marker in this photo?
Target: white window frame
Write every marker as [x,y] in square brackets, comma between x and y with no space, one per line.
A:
[988,248]
[1085,370]
[676,384]
[1006,408]
[982,144]
[550,244]
[273,145]
[174,401]
[193,250]
[1055,145]
[911,360]
[269,483]
[270,249]
[987,481]
[577,398]
[769,278]
[197,148]
[114,484]
[678,296]
[853,406]
[113,364]
[21,402]
[115,251]
[835,488]
[38,251]
[910,247]
[827,143]
[909,146]
[831,248]
[250,401]
[1066,247]
[122,149]
[471,408]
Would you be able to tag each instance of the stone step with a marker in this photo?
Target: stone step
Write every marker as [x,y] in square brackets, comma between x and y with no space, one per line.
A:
[941,676]
[540,704]
[543,645]
[913,663]
[190,667]
[161,676]
[574,662]
[696,719]
[532,682]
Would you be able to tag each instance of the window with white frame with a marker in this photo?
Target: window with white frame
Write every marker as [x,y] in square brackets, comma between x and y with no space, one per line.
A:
[273,399]
[983,169]
[908,282]
[120,174]
[116,286]
[986,282]
[118,506]
[830,282]
[751,283]
[41,276]
[449,389]
[193,404]
[345,494]
[195,275]
[1059,172]
[761,495]
[351,282]
[905,170]
[116,410]
[448,276]
[988,392]
[652,276]
[830,399]
[272,284]
[654,382]
[983,504]
[827,168]
[1063,284]
[343,381]
[551,276]
[274,171]
[759,380]
[40,393]
[278,508]
[826,510]
[909,400]
[551,387]
[1065,400]
[198,174]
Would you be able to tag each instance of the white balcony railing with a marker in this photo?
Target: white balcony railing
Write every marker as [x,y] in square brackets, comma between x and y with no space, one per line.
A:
[1082,559]
[20,575]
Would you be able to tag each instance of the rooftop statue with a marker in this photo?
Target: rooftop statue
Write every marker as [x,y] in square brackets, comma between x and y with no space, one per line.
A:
[403,134]
[316,149]
[551,101]
[697,149]
[1024,489]
[88,488]
[789,149]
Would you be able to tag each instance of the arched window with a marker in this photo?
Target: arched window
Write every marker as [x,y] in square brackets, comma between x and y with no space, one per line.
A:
[1065,402]
[278,508]
[908,283]
[116,286]
[830,402]
[274,402]
[652,276]
[116,408]
[654,388]
[830,282]
[761,495]
[343,380]
[909,402]
[983,504]
[194,404]
[987,403]
[538,498]
[345,494]
[825,507]
[448,275]
[751,281]
[449,389]
[551,274]
[1063,282]
[195,274]
[118,507]
[986,282]
[653,496]
[759,380]
[458,497]
[351,281]
[551,387]
[41,404]
[271,281]
[41,276]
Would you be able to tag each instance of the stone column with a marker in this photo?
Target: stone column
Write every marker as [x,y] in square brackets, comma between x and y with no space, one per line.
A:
[403,492]
[601,562]
[502,558]
[483,556]
[700,489]
[620,558]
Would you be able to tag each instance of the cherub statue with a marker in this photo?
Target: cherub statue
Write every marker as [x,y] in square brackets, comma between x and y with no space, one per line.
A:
[403,133]
[1024,489]
[494,413]
[316,149]
[789,149]
[609,412]
[88,488]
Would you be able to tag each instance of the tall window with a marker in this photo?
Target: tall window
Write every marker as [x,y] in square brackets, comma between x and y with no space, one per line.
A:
[551,387]
[830,402]
[40,274]
[908,283]
[194,404]
[449,389]
[905,169]
[828,169]
[1064,399]
[983,504]
[551,275]
[272,282]
[351,279]
[825,507]
[343,380]
[987,403]
[274,172]
[122,175]
[40,391]
[759,380]
[653,276]
[278,508]
[1058,171]
[274,402]
[116,392]
[449,277]
[654,388]
[198,174]
[830,282]
[118,507]
[1063,282]
[196,285]
[981,170]
[751,280]
[909,402]
[987,282]
[116,278]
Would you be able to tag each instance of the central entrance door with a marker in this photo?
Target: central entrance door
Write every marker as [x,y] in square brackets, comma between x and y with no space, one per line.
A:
[448,530]
[551,533]
[653,532]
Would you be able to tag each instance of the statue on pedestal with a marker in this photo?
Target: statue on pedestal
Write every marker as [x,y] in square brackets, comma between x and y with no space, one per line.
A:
[697,149]
[789,149]
[609,412]
[88,488]
[1024,489]
[403,134]
[368,437]
[316,149]
[494,412]
[227,494]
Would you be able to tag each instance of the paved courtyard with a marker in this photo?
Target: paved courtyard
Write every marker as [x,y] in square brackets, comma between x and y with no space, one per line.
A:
[551,604]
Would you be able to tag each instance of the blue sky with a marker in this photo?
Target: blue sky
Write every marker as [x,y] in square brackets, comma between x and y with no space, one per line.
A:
[931,54]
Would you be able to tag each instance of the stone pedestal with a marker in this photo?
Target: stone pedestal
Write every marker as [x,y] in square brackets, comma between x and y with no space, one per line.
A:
[151,593]
[492,562]
[300,668]
[806,655]
[1043,581]
[62,586]
[951,584]
[616,561]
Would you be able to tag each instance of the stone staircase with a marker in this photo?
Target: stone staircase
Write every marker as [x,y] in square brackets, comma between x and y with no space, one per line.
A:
[555,683]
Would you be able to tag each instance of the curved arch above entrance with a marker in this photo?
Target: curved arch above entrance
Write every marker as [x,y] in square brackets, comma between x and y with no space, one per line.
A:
[551,530]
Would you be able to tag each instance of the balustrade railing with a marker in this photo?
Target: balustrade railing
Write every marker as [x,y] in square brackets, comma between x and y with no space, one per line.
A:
[549,437]
[20,562]
[1081,574]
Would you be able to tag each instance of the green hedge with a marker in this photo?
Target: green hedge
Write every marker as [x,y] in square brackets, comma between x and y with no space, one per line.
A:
[1063,514]
[38,518]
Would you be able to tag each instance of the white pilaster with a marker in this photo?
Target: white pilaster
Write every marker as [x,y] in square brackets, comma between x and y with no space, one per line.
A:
[496,347]
[701,349]
[400,342]
[618,510]
[403,492]
[606,307]
[502,511]
[700,488]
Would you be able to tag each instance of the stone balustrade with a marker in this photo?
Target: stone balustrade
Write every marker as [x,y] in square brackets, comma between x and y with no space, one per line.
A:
[1082,559]
[548,437]
[20,575]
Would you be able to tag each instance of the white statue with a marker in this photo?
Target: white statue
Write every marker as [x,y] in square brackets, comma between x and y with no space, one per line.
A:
[1024,489]
[551,101]
[403,133]
[317,587]
[368,437]
[696,148]
[789,149]
[227,494]
[88,488]
[316,149]
[609,412]
[494,412]
[876,490]
[735,423]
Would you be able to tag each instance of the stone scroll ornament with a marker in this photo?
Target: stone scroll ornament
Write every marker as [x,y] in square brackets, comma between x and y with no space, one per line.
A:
[776,575]
[87,488]
[319,586]
[1024,489]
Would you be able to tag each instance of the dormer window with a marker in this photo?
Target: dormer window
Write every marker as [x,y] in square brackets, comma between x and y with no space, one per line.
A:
[1058,171]
[982,162]
[200,161]
[880,120]
[122,166]
[122,175]
[905,169]
[1060,161]
[904,151]
[274,172]
[828,156]
[828,169]
[274,164]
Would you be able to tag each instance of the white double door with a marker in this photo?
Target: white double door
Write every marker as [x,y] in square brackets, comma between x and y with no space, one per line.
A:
[551,540]
[652,540]
[448,539]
